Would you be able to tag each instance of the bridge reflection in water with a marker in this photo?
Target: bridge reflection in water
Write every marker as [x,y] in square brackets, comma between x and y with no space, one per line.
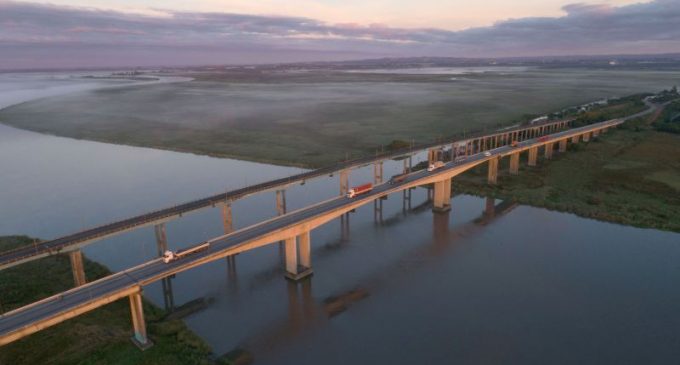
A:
[304,313]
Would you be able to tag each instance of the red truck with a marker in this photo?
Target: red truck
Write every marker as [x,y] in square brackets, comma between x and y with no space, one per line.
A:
[396,179]
[358,190]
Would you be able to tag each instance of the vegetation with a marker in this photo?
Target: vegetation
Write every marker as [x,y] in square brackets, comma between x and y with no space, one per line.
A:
[626,176]
[318,118]
[669,120]
[98,337]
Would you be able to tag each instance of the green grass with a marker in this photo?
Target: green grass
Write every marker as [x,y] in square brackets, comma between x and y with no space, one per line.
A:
[316,119]
[98,337]
[625,177]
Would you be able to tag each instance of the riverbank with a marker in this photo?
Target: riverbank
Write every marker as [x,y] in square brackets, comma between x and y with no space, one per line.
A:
[629,176]
[317,119]
[98,337]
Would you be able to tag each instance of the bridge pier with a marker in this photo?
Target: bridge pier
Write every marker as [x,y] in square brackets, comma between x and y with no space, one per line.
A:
[139,326]
[168,296]
[406,203]
[378,173]
[161,238]
[431,156]
[344,182]
[77,268]
[378,211]
[227,219]
[549,150]
[280,202]
[442,196]
[533,154]
[596,133]
[563,145]
[490,207]
[344,227]
[297,270]
[493,171]
[586,137]
[574,139]
[514,164]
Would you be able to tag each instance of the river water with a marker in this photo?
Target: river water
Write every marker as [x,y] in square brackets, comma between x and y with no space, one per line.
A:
[521,285]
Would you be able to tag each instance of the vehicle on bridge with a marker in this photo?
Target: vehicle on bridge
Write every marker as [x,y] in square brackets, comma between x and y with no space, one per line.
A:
[358,190]
[169,256]
[396,179]
[460,158]
[514,144]
[487,153]
[543,139]
[435,165]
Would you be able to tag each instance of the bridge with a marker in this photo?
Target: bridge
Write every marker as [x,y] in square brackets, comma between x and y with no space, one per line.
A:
[293,229]
[72,243]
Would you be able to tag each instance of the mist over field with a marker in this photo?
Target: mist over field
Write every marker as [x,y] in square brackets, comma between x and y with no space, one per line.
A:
[321,117]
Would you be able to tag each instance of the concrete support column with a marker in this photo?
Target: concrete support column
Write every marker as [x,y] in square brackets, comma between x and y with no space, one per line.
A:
[139,326]
[280,202]
[304,242]
[378,173]
[514,164]
[77,268]
[596,133]
[574,139]
[431,156]
[227,218]
[586,137]
[549,151]
[161,238]
[533,154]
[442,196]
[563,145]
[344,182]
[493,171]
[298,270]
[490,207]
[604,130]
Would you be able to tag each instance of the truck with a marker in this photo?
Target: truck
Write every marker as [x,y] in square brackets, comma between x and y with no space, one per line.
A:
[435,165]
[396,179]
[358,190]
[169,256]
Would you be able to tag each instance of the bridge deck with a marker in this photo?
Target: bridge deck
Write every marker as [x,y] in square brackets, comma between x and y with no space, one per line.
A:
[76,240]
[37,316]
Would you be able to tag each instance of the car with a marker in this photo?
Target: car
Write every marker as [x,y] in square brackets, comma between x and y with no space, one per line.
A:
[487,153]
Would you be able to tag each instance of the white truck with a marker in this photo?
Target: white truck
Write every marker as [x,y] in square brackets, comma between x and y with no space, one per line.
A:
[435,165]
[169,256]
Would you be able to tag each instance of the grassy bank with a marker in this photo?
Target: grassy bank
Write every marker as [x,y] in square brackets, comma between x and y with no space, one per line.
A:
[316,119]
[98,337]
[628,176]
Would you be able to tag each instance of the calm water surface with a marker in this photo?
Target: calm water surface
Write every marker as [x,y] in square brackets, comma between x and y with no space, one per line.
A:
[523,285]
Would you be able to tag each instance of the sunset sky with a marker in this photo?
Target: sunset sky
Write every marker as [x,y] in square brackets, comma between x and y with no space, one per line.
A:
[102,33]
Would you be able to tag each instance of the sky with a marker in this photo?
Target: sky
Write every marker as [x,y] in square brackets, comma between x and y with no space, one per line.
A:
[108,33]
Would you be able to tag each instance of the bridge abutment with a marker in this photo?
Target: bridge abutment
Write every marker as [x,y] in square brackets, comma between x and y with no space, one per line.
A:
[77,268]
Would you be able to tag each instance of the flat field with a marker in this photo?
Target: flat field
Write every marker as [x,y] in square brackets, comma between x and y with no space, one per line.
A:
[317,118]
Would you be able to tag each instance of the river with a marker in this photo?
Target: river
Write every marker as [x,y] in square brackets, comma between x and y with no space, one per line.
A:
[523,285]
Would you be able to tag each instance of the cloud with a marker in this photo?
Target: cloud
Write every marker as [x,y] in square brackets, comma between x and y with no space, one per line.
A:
[39,35]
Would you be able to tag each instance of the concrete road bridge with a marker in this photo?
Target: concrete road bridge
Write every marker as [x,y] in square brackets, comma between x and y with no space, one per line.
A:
[72,243]
[293,228]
